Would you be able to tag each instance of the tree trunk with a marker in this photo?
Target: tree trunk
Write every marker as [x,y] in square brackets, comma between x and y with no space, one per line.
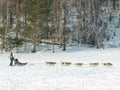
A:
[64,28]
[17,19]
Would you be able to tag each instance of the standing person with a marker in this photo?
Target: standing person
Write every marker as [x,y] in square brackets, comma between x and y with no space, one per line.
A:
[11,59]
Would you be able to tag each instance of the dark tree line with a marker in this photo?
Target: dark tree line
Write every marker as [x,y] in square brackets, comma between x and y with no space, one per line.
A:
[61,22]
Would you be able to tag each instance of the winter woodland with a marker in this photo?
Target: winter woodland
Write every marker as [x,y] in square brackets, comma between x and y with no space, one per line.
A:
[63,23]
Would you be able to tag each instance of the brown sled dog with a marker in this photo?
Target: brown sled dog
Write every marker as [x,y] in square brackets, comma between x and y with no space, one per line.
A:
[50,63]
[78,64]
[66,63]
[94,64]
[107,64]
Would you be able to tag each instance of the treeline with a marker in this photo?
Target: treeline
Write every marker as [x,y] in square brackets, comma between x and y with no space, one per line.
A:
[61,22]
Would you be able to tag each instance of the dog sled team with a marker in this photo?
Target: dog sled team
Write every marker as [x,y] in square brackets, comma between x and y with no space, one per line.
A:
[65,63]
[15,61]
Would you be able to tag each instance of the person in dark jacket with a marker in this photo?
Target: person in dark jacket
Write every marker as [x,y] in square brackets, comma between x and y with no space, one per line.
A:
[11,59]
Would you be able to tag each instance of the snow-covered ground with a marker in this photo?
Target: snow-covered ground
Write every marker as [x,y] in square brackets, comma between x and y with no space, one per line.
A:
[36,75]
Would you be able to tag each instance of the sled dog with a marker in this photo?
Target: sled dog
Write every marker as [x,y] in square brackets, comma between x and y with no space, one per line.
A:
[50,63]
[66,63]
[78,64]
[107,64]
[94,64]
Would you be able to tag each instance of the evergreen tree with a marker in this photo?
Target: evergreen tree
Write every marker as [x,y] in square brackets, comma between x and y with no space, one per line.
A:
[36,16]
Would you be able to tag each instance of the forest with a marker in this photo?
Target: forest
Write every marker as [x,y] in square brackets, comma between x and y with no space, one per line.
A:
[57,22]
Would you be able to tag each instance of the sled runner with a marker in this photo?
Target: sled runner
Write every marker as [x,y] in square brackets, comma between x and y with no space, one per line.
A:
[21,64]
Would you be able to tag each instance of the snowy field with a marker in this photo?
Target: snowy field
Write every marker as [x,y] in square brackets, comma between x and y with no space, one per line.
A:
[36,75]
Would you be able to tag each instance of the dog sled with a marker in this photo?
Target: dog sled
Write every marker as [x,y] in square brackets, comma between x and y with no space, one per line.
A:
[17,62]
